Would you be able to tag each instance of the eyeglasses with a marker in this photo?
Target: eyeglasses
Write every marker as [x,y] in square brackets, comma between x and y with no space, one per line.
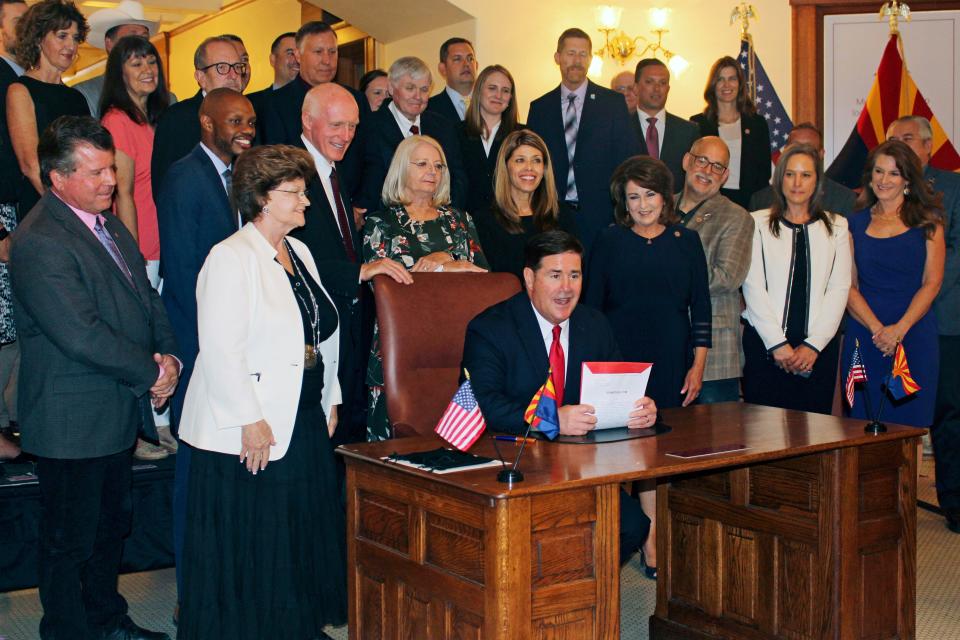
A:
[299,194]
[423,164]
[704,161]
[223,68]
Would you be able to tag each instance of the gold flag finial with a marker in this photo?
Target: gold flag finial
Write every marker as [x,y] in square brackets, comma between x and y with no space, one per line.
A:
[893,11]
[743,13]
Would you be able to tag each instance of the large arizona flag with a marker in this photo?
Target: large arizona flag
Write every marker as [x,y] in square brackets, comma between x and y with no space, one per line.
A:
[892,95]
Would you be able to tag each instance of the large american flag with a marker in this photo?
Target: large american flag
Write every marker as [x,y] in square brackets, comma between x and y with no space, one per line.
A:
[768,102]
[462,423]
[857,373]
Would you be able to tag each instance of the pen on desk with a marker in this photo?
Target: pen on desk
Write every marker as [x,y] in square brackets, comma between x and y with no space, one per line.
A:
[516,439]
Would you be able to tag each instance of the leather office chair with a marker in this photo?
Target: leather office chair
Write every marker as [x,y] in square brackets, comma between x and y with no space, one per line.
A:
[422,327]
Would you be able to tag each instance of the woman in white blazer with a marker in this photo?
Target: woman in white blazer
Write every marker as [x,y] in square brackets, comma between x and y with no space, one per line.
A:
[796,291]
[264,552]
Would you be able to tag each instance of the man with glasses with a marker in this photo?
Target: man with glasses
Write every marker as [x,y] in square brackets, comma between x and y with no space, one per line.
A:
[726,231]
[217,64]
[662,135]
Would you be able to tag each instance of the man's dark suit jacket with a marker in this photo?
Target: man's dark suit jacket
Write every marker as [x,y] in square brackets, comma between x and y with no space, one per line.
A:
[177,132]
[836,198]
[87,336]
[442,105]
[259,99]
[381,139]
[678,136]
[947,304]
[341,278]
[193,214]
[507,359]
[605,138]
[480,168]
[10,176]
[755,161]
[279,122]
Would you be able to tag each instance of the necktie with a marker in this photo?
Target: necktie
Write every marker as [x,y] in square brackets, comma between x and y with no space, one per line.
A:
[557,366]
[342,217]
[570,134]
[228,181]
[466,104]
[112,249]
[653,139]
[414,129]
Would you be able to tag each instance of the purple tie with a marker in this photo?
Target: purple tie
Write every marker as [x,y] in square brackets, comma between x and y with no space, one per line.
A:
[653,139]
[104,237]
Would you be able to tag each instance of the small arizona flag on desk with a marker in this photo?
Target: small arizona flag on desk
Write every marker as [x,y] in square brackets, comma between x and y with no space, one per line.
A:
[900,383]
[541,413]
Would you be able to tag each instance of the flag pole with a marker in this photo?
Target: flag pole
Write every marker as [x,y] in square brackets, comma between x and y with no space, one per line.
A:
[876,426]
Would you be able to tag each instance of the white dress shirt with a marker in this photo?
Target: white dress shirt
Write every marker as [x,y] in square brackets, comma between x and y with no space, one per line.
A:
[546,331]
[459,102]
[661,125]
[732,135]
[324,167]
[403,122]
[488,142]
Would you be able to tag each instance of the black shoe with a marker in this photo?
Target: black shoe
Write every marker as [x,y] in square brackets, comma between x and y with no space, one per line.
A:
[953,521]
[128,630]
[648,571]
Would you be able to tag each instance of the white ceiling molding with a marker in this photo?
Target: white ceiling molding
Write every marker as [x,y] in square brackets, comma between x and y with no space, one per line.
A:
[390,21]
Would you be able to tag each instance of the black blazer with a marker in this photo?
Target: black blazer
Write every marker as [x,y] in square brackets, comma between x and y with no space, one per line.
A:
[604,140]
[177,132]
[442,105]
[480,168]
[507,359]
[504,250]
[193,214]
[10,177]
[678,136]
[87,335]
[755,160]
[381,139]
[278,122]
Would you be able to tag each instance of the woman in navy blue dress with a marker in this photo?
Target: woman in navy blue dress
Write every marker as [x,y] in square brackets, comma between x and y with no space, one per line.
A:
[898,249]
[648,275]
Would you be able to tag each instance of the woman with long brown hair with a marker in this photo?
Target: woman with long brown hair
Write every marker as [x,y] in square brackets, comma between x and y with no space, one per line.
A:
[898,248]
[731,114]
[524,203]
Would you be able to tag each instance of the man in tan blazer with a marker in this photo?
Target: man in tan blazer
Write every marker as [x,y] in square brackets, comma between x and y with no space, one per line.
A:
[726,230]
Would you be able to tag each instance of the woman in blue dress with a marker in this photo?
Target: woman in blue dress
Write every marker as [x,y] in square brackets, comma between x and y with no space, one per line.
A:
[898,249]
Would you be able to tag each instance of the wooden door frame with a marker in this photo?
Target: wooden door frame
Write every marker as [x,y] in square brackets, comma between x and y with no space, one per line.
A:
[807,46]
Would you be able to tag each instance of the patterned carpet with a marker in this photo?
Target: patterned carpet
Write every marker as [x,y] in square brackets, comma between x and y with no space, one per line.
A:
[152,595]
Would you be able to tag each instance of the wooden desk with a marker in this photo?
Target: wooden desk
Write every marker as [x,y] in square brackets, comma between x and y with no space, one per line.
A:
[809,533]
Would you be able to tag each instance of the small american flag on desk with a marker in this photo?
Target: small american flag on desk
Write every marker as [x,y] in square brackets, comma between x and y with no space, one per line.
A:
[462,423]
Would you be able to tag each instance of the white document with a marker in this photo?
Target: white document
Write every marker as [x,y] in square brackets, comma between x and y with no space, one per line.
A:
[612,388]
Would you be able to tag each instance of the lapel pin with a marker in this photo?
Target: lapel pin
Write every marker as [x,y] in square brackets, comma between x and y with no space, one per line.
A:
[676,234]
[746,132]
[593,97]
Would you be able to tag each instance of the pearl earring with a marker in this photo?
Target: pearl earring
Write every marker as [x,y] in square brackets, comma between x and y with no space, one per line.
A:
[265,210]
[906,191]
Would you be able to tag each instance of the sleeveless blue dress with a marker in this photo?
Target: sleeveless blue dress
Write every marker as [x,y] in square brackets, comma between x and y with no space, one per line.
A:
[889,272]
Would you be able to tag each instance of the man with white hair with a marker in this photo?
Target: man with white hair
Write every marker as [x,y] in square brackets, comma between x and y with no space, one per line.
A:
[916,132]
[405,116]
[107,26]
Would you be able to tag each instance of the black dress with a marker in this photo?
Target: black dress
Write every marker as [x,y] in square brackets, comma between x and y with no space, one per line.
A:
[656,295]
[50,101]
[265,555]
[504,250]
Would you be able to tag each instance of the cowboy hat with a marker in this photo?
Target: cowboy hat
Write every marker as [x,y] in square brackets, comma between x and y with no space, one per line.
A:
[127,12]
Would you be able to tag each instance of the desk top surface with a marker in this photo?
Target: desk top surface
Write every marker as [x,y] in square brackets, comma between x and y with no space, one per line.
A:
[767,433]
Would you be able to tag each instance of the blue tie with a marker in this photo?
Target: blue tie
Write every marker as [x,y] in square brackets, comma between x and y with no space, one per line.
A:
[112,249]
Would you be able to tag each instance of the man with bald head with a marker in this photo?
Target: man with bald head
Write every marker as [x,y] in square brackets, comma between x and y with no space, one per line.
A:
[217,64]
[726,231]
[916,132]
[836,197]
[623,84]
[329,117]
[194,213]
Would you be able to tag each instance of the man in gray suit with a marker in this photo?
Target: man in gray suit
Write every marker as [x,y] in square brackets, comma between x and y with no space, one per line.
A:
[95,350]
[726,231]
[915,131]
[836,197]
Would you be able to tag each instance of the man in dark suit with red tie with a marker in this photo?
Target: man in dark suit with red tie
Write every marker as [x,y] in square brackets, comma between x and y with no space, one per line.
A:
[510,348]
[96,347]
[330,117]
